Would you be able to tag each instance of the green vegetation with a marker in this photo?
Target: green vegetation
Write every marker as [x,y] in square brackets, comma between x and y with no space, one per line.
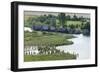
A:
[47,42]
[65,56]
[74,23]
[60,21]
[47,38]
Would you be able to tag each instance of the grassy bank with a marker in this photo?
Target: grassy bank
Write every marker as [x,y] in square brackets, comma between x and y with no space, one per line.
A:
[67,56]
[48,39]
[46,42]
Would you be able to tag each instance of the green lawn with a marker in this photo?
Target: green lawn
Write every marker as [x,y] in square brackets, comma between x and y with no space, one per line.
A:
[73,22]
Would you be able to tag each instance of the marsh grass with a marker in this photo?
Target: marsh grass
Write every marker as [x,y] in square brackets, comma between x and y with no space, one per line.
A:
[67,56]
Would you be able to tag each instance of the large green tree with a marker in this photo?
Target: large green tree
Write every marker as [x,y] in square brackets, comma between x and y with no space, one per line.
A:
[62,19]
[75,17]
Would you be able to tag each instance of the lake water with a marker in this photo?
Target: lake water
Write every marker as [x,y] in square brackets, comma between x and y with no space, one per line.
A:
[81,47]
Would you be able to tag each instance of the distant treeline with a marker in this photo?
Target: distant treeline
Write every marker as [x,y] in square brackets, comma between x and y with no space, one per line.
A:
[60,23]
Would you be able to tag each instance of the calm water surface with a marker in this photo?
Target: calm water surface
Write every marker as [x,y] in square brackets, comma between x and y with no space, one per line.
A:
[81,47]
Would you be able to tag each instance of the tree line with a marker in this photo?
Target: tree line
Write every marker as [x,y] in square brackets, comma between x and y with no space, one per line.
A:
[60,21]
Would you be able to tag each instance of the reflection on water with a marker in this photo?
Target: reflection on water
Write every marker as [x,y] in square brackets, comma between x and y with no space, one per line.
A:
[81,47]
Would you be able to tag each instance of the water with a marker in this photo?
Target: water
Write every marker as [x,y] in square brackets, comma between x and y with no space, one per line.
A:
[81,47]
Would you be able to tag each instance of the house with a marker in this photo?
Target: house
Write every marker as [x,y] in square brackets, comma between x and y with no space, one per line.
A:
[61,30]
[37,27]
[52,28]
[45,27]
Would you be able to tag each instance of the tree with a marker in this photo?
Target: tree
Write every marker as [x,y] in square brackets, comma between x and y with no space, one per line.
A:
[81,18]
[86,28]
[42,18]
[68,17]
[30,21]
[53,21]
[75,17]
[72,26]
[62,19]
